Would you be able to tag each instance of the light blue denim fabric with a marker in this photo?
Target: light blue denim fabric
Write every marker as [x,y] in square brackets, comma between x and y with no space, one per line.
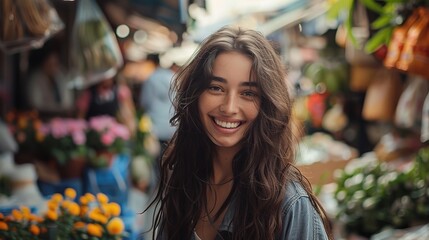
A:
[300,219]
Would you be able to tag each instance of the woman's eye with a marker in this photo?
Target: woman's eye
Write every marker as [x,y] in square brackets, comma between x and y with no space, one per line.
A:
[250,94]
[215,88]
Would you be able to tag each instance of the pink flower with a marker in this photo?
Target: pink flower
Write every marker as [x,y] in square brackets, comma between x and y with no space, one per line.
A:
[107,138]
[79,137]
[101,123]
[121,131]
[58,128]
[76,125]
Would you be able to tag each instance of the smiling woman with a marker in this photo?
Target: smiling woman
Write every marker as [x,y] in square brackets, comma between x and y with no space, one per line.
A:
[238,179]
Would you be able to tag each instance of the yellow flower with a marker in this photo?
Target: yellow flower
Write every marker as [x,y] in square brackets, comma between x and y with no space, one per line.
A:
[102,198]
[52,205]
[17,215]
[3,226]
[52,215]
[95,230]
[145,124]
[26,213]
[114,209]
[83,200]
[70,193]
[97,216]
[90,197]
[73,208]
[56,197]
[115,226]
[34,229]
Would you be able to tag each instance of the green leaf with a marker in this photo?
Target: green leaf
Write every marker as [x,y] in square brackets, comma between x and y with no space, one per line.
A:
[337,9]
[382,21]
[348,24]
[380,38]
[372,5]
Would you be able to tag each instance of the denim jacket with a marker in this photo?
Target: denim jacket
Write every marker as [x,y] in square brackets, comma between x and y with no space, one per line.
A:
[300,219]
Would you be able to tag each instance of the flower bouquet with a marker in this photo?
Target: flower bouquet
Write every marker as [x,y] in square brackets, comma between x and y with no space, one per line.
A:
[92,217]
[65,141]
[105,139]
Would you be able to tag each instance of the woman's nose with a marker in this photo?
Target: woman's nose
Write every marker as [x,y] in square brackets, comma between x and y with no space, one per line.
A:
[229,104]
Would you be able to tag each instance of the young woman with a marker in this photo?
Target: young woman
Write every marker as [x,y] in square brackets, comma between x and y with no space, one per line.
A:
[228,172]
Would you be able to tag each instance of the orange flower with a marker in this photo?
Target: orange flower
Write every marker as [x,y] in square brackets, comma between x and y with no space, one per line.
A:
[114,209]
[95,230]
[56,197]
[1,216]
[34,229]
[73,208]
[52,215]
[3,226]
[83,210]
[83,200]
[102,198]
[98,217]
[115,226]
[79,225]
[26,213]
[17,215]
[52,205]
[90,197]
[70,193]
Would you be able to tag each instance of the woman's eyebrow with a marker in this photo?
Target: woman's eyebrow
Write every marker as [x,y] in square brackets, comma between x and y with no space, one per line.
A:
[223,80]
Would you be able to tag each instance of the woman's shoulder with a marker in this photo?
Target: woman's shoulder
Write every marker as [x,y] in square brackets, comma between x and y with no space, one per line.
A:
[294,192]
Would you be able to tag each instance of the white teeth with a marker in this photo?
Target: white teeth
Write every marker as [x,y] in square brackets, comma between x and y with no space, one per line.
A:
[227,124]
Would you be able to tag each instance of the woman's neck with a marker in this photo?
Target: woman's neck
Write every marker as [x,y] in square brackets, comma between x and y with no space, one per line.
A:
[222,165]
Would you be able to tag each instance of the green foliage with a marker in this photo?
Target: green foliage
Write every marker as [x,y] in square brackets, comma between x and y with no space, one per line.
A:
[374,196]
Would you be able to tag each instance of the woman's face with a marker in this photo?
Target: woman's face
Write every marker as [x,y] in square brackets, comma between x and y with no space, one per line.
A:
[231,103]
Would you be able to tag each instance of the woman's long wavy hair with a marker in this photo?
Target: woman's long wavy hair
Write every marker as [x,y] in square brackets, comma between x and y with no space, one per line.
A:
[261,168]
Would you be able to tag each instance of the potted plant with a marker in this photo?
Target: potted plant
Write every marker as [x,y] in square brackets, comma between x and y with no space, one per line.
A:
[105,139]
[65,142]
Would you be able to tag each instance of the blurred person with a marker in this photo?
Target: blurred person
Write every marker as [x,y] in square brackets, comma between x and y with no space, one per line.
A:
[108,97]
[47,88]
[156,101]
[228,172]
